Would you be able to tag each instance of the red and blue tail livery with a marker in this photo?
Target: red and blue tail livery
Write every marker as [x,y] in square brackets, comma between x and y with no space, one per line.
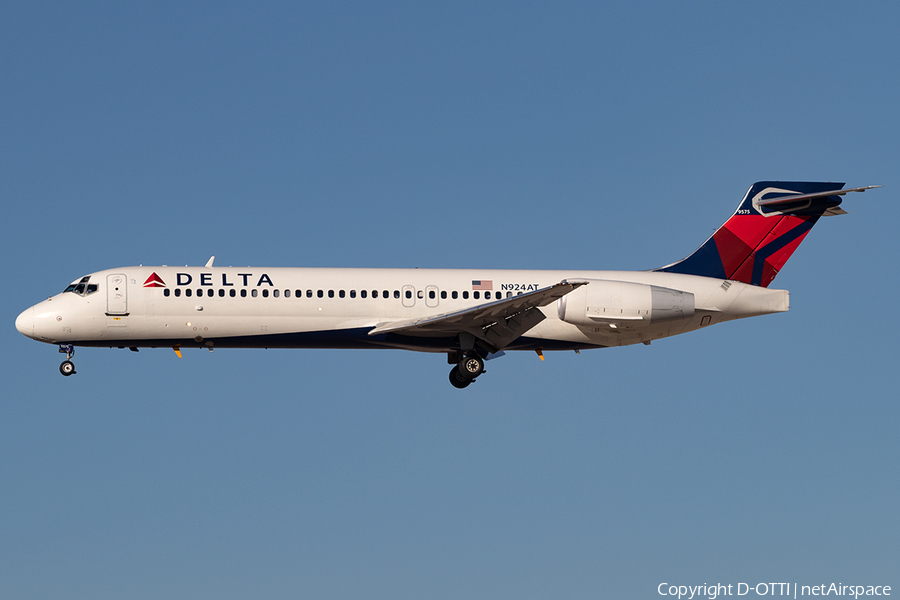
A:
[768,225]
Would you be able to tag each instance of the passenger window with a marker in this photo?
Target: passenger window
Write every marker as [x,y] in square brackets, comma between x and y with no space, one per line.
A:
[476,295]
[385,294]
[509,294]
[188,292]
[221,293]
[243,293]
[265,293]
[353,293]
[210,293]
[465,295]
[374,293]
[409,293]
[166,292]
[275,293]
[362,293]
[331,293]
[454,295]
[320,294]
[487,295]
[177,292]
[254,293]
[298,293]
[287,293]
[232,293]
[397,293]
[341,293]
[309,293]
[443,295]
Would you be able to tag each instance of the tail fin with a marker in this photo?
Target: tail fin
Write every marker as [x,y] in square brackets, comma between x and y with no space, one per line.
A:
[769,224]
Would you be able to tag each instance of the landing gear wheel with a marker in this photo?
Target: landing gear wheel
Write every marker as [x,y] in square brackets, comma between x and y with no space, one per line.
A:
[458,380]
[471,366]
[67,368]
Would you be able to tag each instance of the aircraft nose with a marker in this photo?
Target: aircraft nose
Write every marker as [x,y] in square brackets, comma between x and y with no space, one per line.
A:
[25,322]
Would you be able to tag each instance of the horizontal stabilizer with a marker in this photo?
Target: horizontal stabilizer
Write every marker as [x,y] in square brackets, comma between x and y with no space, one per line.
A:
[785,200]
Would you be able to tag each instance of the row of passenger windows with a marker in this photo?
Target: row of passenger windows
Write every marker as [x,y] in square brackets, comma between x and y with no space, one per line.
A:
[432,294]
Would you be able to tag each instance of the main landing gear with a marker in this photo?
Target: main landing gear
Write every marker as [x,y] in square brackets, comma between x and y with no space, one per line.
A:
[67,367]
[464,373]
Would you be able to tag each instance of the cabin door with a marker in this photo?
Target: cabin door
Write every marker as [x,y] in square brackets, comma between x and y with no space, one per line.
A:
[116,294]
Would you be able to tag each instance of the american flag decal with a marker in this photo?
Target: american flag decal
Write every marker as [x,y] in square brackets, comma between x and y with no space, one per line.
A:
[482,284]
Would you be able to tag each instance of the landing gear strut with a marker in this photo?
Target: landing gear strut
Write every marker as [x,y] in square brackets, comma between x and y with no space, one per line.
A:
[466,371]
[67,367]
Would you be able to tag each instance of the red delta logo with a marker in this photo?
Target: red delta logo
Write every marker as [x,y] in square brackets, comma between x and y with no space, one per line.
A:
[154,281]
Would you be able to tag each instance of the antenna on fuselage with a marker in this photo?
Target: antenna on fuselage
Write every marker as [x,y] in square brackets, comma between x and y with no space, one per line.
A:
[210,261]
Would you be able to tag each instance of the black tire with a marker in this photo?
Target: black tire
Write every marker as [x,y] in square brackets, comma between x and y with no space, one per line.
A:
[67,368]
[471,366]
[457,379]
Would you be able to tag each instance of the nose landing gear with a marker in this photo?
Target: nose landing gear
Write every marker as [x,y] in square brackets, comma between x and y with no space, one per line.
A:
[67,367]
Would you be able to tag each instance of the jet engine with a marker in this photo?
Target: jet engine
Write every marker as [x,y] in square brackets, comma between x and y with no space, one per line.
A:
[624,305]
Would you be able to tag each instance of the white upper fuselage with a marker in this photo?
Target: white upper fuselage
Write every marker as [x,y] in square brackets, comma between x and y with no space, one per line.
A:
[321,307]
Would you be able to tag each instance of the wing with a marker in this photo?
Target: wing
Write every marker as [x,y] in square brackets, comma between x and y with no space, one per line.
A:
[496,323]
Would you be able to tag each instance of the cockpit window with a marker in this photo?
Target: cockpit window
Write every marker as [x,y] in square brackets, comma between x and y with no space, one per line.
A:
[82,287]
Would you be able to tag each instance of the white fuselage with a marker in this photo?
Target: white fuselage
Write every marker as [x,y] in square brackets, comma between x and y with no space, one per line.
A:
[337,308]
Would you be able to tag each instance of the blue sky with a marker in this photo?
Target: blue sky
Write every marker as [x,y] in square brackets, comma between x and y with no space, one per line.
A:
[516,135]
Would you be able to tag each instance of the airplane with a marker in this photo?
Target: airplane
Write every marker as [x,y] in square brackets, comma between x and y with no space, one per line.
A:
[470,315]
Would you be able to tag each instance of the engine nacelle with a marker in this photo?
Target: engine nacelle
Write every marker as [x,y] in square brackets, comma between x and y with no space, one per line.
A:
[624,305]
